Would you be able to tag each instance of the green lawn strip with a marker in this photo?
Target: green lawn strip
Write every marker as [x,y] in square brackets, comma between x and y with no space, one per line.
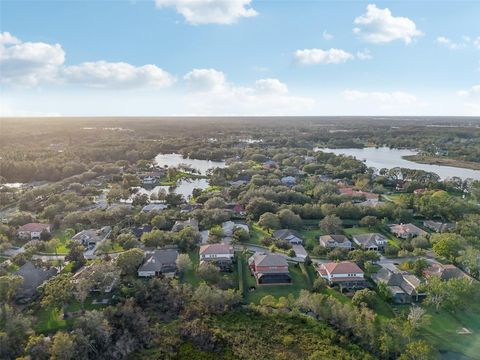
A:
[356,231]
[307,275]
[190,276]
[49,320]
[442,332]
[310,236]
[256,234]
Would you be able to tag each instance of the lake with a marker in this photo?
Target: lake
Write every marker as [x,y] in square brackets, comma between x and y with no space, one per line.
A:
[173,160]
[185,186]
[385,157]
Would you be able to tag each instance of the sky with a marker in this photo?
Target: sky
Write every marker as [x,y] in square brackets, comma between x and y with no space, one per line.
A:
[239,57]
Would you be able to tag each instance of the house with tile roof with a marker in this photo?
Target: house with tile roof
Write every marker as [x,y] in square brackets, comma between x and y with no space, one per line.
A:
[269,269]
[346,274]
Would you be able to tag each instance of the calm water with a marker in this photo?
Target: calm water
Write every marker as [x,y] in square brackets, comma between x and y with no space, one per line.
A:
[176,159]
[389,158]
[184,187]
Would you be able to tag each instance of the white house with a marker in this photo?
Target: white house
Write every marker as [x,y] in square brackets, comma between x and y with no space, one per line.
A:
[32,231]
[344,273]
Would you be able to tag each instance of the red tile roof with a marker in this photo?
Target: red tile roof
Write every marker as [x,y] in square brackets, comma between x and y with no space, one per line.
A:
[344,267]
[33,227]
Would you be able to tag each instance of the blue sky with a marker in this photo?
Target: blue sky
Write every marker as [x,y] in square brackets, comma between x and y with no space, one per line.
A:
[229,57]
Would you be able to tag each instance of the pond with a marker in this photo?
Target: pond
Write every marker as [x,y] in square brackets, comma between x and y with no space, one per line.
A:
[385,157]
[172,160]
[185,186]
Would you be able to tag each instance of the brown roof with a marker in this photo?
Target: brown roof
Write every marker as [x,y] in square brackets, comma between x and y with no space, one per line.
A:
[344,267]
[33,227]
[216,249]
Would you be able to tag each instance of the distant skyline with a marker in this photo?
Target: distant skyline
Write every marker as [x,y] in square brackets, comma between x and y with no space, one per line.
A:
[239,57]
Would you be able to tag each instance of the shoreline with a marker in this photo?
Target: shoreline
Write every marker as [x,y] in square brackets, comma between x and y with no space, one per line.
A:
[432,160]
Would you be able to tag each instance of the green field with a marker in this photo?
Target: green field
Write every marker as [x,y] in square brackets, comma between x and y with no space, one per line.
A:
[443,334]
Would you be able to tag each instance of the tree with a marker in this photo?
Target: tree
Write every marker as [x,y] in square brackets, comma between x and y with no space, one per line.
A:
[8,286]
[448,245]
[129,261]
[38,347]
[63,346]
[208,272]
[160,222]
[258,206]
[289,219]
[241,235]
[215,300]
[75,253]
[331,224]
[470,260]
[369,221]
[269,221]
[319,284]
[215,203]
[364,297]
[57,291]
[418,350]
[184,263]
[362,256]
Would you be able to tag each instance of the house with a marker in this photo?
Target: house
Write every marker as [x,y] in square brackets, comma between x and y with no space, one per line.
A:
[149,181]
[219,254]
[32,231]
[291,236]
[159,262]
[371,241]
[444,272]
[140,230]
[270,164]
[438,226]
[92,237]
[180,225]
[288,180]
[229,228]
[346,274]
[300,251]
[269,269]
[403,287]
[335,241]
[372,203]
[420,191]
[186,208]
[239,209]
[350,192]
[238,183]
[101,281]
[406,231]
[33,277]
[154,207]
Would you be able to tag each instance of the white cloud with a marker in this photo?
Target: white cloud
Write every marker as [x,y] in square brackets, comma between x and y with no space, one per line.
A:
[7,38]
[380,26]
[319,56]
[387,98]
[29,63]
[34,63]
[476,42]
[473,92]
[271,86]
[103,74]
[452,45]
[471,97]
[197,12]
[326,35]
[364,55]
[205,80]
[211,94]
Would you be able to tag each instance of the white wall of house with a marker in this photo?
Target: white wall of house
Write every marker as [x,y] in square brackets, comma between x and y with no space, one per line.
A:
[146,273]
[216,256]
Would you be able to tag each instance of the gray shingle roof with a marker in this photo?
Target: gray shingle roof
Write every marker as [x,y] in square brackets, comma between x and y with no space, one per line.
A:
[159,259]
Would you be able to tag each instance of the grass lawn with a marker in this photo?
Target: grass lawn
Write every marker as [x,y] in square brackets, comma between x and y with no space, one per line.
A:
[442,331]
[192,278]
[356,231]
[300,282]
[50,320]
[310,236]
[256,234]
[63,240]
